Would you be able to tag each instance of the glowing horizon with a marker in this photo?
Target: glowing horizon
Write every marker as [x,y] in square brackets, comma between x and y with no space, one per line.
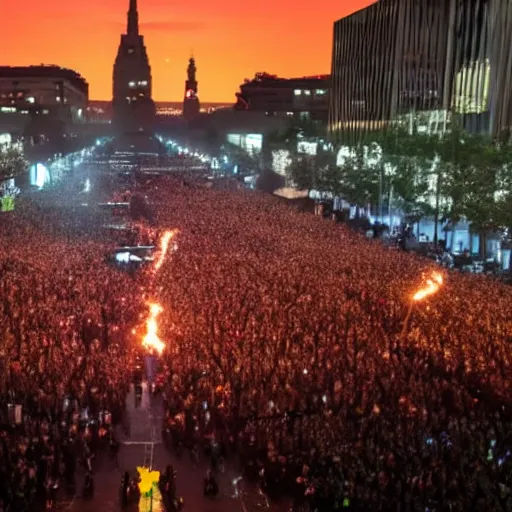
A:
[231,41]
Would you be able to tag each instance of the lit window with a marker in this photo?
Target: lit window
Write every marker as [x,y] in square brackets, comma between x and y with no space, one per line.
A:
[320,92]
[289,114]
[58,98]
[307,93]
[131,84]
[144,83]
[46,111]
[31,99]
[298,92]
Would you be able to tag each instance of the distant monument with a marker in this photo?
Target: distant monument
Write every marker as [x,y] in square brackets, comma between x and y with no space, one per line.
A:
[191,100]
[133,106]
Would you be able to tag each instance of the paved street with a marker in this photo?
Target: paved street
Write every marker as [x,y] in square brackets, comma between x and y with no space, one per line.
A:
[144,421]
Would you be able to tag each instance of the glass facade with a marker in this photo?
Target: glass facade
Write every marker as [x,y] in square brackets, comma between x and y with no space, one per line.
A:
[401,56]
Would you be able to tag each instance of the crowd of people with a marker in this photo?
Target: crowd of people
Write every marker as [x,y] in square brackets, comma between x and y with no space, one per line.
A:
[63,324]
[285,352]
[285,345]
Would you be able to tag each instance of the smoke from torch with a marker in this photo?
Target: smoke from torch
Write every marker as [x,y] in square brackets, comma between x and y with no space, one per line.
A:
[432,285]
[164,247]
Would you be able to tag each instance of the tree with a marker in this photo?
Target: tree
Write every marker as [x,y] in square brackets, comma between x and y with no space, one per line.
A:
[471,166]
[358,180]
[303,172]
[406,167]
[12,163]
[489,199]
[504,208]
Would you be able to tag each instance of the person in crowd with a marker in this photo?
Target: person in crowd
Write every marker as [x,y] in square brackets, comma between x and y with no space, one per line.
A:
[88,491]
[210,485]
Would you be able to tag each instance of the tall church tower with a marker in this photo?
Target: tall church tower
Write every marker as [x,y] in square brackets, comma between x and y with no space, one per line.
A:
[133,107]
[191,100]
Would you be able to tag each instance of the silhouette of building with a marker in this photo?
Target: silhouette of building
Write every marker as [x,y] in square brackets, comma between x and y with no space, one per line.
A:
[426,62]
[133,106]
[306,97]
[46,95]
[191,101]
[48,90]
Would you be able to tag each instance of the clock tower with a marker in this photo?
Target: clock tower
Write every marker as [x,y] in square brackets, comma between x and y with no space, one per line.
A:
[133,106]
[191,100]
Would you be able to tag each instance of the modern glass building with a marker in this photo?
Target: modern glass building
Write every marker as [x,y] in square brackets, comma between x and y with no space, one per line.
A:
[430,62]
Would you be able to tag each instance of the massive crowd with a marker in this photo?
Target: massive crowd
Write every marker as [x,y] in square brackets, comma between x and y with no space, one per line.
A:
[63,321]
[284,351]
[285,345]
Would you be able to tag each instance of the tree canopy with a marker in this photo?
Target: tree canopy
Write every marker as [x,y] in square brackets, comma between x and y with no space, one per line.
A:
[453,177]
[12,162]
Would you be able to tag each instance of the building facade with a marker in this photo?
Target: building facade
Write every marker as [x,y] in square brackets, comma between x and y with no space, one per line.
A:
[305,97]
[191,107]
[436,61]
[47,91]
[133,106]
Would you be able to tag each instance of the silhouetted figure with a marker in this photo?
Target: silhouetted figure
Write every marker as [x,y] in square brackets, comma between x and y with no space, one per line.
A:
[210,486]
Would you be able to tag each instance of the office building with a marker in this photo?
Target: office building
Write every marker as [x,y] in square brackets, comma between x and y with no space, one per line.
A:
[133,106]
[433,62]
[305,97]
[42,90]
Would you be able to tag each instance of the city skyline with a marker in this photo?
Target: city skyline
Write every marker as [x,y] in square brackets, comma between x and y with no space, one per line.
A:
[230,41]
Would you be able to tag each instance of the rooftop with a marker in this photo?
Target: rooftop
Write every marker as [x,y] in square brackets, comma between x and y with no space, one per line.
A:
[274,80]
[44,71]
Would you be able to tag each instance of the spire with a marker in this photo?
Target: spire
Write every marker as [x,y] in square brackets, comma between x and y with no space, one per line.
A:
[191,70]
[133,19]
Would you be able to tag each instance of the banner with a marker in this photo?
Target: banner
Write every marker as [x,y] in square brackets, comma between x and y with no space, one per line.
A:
[7,203]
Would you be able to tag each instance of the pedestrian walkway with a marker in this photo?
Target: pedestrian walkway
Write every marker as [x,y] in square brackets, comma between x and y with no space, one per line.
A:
[144,416]
[141,444]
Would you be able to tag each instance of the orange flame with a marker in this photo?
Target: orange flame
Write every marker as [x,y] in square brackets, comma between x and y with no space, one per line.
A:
[432,285]
[151,339]
[164,247]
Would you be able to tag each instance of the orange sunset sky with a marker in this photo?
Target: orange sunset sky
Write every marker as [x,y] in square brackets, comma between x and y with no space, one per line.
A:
[231,40]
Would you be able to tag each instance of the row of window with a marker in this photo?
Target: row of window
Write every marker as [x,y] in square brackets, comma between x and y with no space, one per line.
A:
[141,83]
[12,110]
[28,99]
[134,98]
[302,115]
[308,92]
